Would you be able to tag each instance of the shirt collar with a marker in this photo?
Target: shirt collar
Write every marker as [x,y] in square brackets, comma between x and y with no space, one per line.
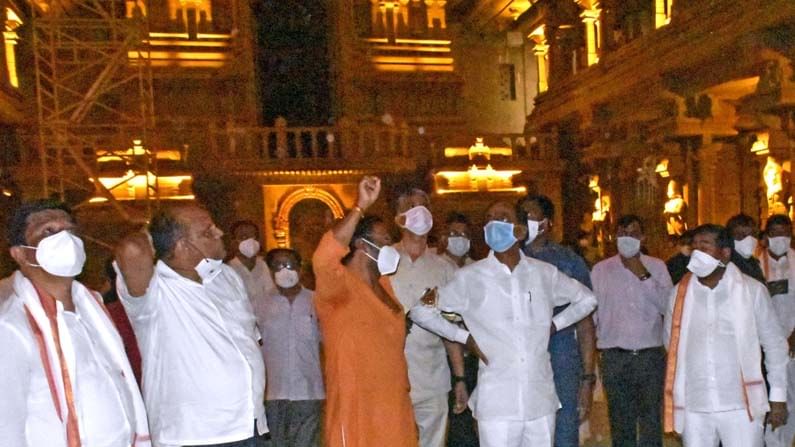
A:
[167,272]
[495,264]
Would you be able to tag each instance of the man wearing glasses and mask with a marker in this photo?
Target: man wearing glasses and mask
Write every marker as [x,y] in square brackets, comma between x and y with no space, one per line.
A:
[291,348]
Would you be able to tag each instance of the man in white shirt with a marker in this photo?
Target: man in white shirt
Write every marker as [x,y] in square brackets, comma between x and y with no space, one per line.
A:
[203,374]
[291,348]
[715,323]
[779,273]
[65,380]
[420,269]
[456,240]
[506,301]
[247,263]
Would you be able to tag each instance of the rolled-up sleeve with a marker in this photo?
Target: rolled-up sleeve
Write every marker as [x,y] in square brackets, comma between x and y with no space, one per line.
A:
[570,291]
[451,298]
[15,386]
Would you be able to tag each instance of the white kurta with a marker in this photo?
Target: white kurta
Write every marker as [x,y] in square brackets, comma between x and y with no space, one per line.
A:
[509,314]
[104,400]
[784,305]
[203,373]
[739,312]
[426,356]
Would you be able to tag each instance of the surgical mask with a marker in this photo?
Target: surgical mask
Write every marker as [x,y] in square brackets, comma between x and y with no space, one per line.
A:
[702,264]
[458,245]
[746,246]
[388,258]
[418,220]
[60,254]
[533,230]
[207,268]
[779,245]
[286,278]
[249,247]
[628,246]
[499,235]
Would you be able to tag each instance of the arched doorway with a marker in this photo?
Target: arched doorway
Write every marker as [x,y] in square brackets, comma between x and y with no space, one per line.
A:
[309,220]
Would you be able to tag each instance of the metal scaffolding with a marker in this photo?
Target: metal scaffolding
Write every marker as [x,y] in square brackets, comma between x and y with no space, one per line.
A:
[94,96]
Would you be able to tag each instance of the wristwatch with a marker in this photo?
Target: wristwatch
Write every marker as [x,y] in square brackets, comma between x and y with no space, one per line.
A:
[590,378]
[645,276]
[455,379]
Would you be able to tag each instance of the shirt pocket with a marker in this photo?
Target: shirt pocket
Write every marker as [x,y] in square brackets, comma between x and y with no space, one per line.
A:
[539,309]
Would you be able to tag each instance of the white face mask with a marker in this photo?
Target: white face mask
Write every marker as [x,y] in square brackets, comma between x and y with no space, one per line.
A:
[418,220]
[388,258]
[458,245]
[702,264]
[207,268]
[286,278]
[249,247]
[746,246]
[60,254]
[628,246]
[779,245]
[533,230]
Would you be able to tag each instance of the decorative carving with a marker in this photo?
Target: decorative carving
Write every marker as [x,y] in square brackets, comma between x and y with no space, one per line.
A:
[281,227]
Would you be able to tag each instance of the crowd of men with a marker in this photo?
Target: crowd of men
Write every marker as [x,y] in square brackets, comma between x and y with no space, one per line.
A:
[401,344]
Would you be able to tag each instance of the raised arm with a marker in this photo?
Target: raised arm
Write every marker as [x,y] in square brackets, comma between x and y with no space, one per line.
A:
[369,189]
[135,259]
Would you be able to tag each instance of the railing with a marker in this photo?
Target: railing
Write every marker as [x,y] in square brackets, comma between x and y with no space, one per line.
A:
[344,141]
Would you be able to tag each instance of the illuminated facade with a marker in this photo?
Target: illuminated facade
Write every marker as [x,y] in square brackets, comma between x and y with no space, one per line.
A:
[172,97]
[678,128]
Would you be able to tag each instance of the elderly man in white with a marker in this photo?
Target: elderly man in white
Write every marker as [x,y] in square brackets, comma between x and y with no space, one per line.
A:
[65,379]
[203,374]
[716,322]
[506,301]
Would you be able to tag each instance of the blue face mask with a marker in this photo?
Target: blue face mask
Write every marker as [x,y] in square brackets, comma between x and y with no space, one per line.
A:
[499,235]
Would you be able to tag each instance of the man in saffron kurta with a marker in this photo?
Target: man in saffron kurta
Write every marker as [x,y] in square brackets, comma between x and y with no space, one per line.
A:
[367,388]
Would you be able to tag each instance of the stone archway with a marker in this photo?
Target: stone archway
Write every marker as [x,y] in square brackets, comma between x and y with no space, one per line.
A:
[281,227]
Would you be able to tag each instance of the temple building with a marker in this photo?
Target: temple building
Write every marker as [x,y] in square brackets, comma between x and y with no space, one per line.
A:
[677,110]
[681,109]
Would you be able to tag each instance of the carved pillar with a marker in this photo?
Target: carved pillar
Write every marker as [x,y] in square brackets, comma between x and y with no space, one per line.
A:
[541,51]
[590,17]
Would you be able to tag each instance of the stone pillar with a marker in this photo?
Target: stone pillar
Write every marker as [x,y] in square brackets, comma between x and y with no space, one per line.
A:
[590,17]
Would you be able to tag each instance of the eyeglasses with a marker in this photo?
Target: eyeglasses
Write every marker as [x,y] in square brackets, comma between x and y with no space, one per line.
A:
[285,265]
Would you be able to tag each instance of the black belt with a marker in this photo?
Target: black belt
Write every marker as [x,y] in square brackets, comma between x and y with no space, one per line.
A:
[633,351]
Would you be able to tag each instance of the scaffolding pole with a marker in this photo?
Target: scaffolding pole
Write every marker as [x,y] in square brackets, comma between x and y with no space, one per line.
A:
[94,95]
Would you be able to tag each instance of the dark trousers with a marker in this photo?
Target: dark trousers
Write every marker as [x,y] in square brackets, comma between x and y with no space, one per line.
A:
[294,423]
[633,382]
